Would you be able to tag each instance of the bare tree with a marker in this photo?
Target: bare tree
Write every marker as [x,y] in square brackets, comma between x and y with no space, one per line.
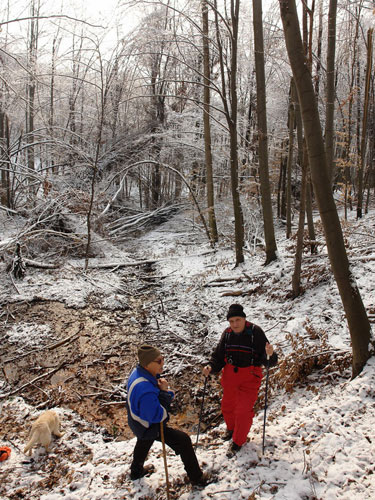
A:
[358,322]
[228,73]
[4,159]
[364,123]
[330,86]
[206,124]
[31,83]
[269,233]
[291,126]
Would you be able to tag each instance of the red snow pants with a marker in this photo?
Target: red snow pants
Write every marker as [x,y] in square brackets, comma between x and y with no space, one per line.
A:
[240,392]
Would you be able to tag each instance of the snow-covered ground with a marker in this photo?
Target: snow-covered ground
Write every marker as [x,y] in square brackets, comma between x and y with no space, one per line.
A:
[319,437]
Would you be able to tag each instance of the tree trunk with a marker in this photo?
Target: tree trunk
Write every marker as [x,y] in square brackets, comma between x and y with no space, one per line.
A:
[9,191]
[269,233]
[207,126]
[238,215]
[319,53]
[291,124]
[31,82]
[348,135]
[309,215]
[364,123]
[296,278]
[330,86]
[5,159]
[281,190]
[51,118]
[358,322]
[307,42]
[230,109]
[371,149]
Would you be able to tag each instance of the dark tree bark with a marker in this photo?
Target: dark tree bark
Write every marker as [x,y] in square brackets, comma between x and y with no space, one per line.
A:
[364,124]
[330,86]
[358,322]
[6,192]
[31,82]
[349,120]
[291,125]
[207,126]
[230,103]
[307,195]
[281,190]
[4,159]
[371,158]
[319,52]
[296,278]
[269,233]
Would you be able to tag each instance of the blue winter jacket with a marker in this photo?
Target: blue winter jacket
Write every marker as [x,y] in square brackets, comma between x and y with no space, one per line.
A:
[147,405]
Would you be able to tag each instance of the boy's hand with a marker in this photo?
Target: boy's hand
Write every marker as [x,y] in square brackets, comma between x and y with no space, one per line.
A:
[163,384]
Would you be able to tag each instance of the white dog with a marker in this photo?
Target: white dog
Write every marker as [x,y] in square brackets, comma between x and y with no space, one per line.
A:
[45,425]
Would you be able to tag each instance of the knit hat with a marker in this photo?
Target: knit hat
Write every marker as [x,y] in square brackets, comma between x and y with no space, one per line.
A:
[147,353]
[235,310]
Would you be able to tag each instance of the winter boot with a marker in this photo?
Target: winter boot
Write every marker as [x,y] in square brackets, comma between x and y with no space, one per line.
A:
[233,449]
[147,471]
[228,435]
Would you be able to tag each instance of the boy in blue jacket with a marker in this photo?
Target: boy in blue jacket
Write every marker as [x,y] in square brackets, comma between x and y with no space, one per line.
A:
[148,403]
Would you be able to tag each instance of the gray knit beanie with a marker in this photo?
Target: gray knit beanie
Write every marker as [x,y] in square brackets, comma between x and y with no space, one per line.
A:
[147,353]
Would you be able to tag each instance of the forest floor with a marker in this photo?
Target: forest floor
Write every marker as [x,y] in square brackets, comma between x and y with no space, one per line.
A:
[69,339]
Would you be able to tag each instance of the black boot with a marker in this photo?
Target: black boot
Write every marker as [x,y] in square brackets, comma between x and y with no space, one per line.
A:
[233,449]
[203,480]
[228,435]
[146,471]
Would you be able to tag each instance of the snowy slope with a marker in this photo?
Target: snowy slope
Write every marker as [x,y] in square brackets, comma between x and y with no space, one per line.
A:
[319,437]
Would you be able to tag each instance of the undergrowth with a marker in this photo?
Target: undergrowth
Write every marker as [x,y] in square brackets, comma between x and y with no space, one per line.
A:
[310,362]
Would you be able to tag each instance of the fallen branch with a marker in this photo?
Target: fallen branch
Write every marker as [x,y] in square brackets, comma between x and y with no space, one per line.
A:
[221,491]
[213,284]
[150,162]
[71,338]
[41,265]
[186,355]
[234,293]
[111,403]
[36,379]
[240,293]
[118,265]
[13,283]
[135,222]
[225,280]
[7,209]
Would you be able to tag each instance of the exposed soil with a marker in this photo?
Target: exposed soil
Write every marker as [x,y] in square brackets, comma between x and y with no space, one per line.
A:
[93,363]
[84,361]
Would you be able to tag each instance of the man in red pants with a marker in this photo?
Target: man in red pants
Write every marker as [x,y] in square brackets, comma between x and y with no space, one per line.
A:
[240,353]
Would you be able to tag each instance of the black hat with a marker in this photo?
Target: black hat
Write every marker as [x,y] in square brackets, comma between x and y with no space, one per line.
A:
[235,310]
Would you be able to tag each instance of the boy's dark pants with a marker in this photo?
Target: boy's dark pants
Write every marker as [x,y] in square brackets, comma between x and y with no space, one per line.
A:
[180,443]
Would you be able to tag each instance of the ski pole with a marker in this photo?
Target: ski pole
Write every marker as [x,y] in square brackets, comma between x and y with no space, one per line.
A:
[265,403]
[164,458]
[201,411]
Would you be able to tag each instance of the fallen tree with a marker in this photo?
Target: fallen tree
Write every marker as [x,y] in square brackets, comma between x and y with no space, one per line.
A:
[127,224]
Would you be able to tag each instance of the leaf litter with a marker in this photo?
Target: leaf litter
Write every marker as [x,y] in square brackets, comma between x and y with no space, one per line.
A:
[319,433]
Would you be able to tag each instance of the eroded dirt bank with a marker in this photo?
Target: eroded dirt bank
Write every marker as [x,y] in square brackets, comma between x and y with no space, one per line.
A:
[83,362]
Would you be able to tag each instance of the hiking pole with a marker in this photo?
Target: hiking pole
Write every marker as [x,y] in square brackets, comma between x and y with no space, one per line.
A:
[265,403]
[164,458]
[201,411]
